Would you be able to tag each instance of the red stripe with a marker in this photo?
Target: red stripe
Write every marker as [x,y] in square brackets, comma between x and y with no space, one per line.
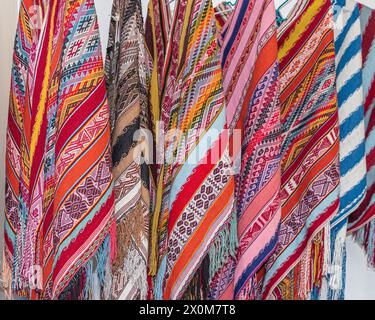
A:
[189,189]
[368,37]
[370,158]
[14,130]
[81,115]
[369,101]
[302,38]
[76,244]
[363,214]
[317,137]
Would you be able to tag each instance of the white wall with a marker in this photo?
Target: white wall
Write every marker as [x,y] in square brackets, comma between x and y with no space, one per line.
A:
[360,280]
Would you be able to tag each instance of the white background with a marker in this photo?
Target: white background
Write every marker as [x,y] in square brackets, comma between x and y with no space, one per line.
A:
[360,280]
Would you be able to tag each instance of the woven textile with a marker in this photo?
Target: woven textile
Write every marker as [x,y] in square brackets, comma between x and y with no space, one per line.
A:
[127,71]
[362,220]
[250,71]
[310,152]
[59,195]
[196,230]
[348,39]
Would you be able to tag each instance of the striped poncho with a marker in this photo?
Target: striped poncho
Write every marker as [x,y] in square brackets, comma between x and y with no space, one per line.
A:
[193,227]
[362,221]
[127,71]
[59,196]
[352,135]
[310,152]
[250,72]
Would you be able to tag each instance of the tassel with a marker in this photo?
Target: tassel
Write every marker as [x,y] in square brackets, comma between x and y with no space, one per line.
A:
[224,246]
[365,237]
[88,288]
[336,272]
[82,286]
[101,258]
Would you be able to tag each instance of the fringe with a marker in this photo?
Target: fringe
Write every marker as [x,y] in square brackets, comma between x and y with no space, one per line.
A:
[128,229]
[113,235]
[365,237]
[128,265]
[305,280]
[335,276]
[134,274]
[82,286]
[224,246]
[198,288]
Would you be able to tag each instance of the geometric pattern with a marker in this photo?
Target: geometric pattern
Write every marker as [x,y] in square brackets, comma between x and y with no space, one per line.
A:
[251,84]
[309,154]
[194,202]
[59,181]
[127,77]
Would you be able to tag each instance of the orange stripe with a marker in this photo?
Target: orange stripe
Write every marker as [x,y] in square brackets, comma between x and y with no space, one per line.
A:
[264,197]
[77,171]
[314,171]
[263,63]
[12,178]
[198,237]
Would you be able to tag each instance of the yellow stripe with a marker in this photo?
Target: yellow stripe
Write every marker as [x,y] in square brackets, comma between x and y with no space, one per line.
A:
[300,27]
[44,91]
[154,227]
[185,28]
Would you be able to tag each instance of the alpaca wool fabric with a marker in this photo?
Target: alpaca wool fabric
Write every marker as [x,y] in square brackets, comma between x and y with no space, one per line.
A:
[127,73]
[309,154]
[361,222]
[250,73]
[348,39]
[59,195]
[193,218]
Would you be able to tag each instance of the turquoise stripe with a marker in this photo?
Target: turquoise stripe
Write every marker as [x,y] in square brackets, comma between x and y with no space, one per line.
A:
[83,223]
[199,152]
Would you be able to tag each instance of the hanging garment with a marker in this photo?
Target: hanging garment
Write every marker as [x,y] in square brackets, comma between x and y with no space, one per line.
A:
[362,221]
[127,70]
[250,71]
[348,39]
[194,227]
[310,152]
[59,195]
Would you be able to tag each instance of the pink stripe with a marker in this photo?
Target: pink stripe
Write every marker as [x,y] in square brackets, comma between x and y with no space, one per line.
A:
[265,195]
[258,245]
[242,80]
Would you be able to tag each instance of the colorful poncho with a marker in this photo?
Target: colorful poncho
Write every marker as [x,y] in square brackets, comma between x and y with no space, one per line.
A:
[193,223]
[250,72]
[348,39]
[127,71]
[362,220]
[59,195]
[310,152]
